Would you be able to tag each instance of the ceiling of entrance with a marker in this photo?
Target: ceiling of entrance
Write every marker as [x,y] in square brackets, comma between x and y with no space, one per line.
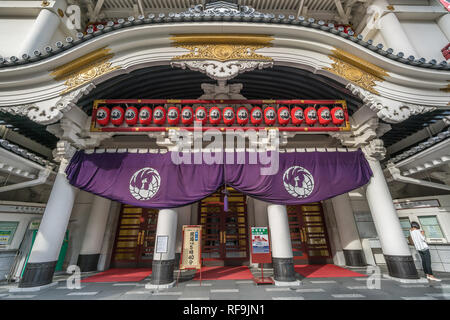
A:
[164,82]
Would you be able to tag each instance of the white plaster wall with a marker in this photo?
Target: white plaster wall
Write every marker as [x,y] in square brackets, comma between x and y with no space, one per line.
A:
[59,35]
[12,33]
[426,37]
[378,38]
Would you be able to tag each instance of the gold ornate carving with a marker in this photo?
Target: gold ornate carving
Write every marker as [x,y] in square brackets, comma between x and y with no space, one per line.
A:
[222,47]
[84,69]
[356,70]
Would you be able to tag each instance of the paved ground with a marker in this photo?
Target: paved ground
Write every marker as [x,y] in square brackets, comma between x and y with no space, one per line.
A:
[310,289]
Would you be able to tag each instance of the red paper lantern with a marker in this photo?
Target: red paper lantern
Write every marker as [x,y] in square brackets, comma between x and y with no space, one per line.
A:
[297,116]
[242,116]
[283,116]
[270,115]
[324,116]
[228,116]
[102,116]
[214,115]
[256,116]
[173,116]
[117,115]
[187,115]
[200,115]
[337,115]
[159,115]
[131,116]
[145,116]
[310,116]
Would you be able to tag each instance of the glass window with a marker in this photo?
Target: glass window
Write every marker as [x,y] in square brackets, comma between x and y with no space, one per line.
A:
[406,225]
[431,227]
[7,231]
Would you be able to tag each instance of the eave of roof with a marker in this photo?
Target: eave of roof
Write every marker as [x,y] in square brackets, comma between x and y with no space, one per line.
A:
[255,17]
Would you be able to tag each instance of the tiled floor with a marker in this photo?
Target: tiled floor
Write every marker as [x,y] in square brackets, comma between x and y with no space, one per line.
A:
[311,289]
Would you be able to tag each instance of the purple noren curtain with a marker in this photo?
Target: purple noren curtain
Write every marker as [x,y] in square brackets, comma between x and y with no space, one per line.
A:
[154,181]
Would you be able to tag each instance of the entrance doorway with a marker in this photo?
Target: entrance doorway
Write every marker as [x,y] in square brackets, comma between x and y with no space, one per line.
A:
[308,234]
[224,233]
[135,240]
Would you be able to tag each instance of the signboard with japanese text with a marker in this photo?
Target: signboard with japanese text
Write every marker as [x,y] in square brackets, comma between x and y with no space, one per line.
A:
[191,248]
[260,245]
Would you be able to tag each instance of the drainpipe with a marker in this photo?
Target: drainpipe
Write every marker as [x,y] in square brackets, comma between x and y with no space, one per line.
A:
[42,178]
[397,176]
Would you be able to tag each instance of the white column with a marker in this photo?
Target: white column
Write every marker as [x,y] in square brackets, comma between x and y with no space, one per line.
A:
[392,31]
[395,248]
[163,263]
[44,254]
[444,23]
[93,236]
[280,236]
[348,232]
[41,33]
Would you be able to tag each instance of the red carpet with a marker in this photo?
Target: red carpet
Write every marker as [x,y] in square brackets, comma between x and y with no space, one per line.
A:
[325,271]
[224,273]
[119,275]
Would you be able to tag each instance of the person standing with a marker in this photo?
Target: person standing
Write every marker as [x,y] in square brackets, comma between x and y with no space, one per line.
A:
[418,238]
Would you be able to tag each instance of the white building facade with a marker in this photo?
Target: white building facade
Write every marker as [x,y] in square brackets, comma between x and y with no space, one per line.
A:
[385,59]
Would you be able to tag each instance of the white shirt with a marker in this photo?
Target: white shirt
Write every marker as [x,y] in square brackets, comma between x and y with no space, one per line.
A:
[419,240]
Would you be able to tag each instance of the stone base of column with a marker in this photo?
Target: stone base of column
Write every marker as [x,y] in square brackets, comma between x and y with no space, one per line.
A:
[88,262]
[162,272]
[401,267]
[37,274]
[283,269]
[354,258]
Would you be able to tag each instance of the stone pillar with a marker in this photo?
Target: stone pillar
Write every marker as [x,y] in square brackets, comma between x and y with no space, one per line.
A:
[163,264]
[392,31]
[93,236]
[282,257]
[45,252]
[41,33]
[444,23]
[396,252]
[348,232]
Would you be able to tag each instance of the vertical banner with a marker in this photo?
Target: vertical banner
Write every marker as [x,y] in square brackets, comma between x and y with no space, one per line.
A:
[191,250]
[260,245]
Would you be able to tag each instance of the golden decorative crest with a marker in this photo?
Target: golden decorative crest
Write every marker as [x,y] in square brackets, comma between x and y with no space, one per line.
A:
[222,47]
[356,70]
[84,69]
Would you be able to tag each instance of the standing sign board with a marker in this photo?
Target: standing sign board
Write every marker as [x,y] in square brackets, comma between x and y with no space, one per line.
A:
[261,251]
[162,244]
[191,249]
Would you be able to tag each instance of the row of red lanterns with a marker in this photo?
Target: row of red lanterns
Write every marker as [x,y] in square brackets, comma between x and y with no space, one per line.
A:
[144,116]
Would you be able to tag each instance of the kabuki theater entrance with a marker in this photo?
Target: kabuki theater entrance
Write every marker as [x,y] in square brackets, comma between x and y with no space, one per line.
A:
[135,239]
[225,233]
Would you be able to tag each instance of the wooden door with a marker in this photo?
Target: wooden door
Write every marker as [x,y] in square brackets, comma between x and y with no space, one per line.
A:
[297,230]
[135,239]
[308,233]
[225,238]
